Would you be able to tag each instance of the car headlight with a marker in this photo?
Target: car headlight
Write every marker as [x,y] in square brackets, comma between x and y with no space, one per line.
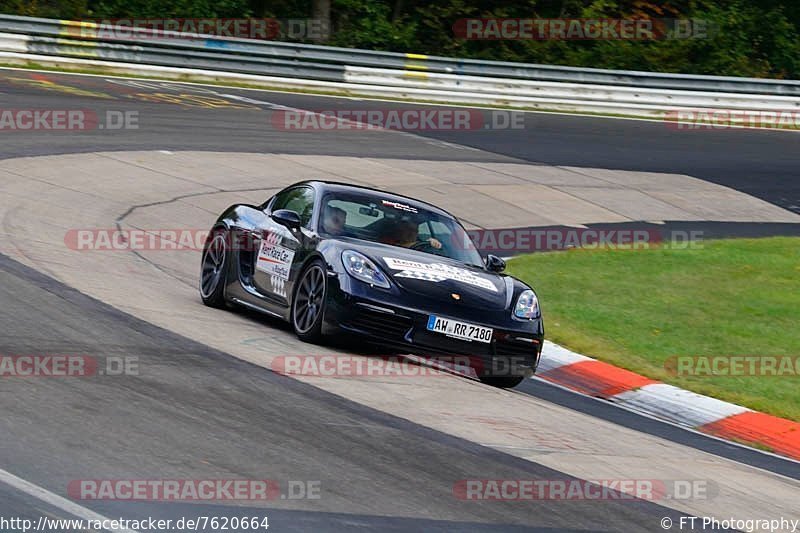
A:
[527,305]
[361,268]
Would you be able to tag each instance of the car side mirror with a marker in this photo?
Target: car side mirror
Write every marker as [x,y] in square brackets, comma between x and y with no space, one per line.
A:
[494,263]
[287,217]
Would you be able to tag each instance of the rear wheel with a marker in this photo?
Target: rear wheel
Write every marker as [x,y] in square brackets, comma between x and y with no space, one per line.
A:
[214,273]
[308,304]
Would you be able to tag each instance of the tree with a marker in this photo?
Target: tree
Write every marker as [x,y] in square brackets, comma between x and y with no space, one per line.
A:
[321,13]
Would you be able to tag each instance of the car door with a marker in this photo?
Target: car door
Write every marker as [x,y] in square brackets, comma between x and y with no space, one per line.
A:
[279,248]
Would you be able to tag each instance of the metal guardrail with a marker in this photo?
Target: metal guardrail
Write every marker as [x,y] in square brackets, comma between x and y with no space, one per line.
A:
[389,75]
[313,56]
[186,55]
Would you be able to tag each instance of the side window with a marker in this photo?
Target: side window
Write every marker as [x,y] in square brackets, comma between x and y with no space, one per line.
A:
[435,229]
[298,199]
[424,231]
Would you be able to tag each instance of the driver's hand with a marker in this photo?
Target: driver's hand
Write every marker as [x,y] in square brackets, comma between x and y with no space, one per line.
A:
[435,243]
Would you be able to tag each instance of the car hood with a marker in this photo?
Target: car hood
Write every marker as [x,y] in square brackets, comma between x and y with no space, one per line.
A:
[442,278]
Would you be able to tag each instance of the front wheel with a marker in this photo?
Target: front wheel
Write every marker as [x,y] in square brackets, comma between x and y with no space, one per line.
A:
[308,305]
[504,382]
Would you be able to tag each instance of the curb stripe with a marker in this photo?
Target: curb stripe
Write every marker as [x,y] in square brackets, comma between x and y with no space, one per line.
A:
[779,434]
[596,378]
[554,356]
[630,390]
[677,405]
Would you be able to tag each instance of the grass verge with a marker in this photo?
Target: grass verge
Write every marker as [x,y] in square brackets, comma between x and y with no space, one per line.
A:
[638,308]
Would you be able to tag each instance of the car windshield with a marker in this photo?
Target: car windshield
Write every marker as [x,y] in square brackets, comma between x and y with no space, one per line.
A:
[374,218]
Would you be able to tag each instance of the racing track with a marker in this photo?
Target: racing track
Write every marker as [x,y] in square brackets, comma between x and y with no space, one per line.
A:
[761,163]
[203,405]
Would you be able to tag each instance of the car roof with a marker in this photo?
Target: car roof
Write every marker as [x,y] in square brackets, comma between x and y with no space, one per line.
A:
[335,186]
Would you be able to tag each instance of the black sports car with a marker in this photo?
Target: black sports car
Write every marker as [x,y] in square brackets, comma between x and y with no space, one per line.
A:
[332,258]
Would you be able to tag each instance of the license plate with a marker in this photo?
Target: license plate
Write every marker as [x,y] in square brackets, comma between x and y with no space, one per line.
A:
[459,330]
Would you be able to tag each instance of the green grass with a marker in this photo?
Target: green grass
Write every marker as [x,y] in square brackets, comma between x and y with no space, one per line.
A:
[636,308]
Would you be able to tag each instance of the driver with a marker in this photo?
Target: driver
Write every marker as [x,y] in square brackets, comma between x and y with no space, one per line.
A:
[405,233]
[333,220]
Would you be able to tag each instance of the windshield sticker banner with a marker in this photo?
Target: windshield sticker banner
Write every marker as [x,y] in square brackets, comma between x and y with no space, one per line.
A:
[398,205]
[437,272]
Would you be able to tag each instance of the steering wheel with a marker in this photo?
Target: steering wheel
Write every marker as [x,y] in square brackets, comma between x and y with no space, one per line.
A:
[422,246]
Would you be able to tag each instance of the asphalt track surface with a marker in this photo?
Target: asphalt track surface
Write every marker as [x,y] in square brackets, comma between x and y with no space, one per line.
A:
[198,413]
[760,163]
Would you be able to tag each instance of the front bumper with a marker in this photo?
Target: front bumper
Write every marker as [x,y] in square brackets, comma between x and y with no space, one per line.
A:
[400,324]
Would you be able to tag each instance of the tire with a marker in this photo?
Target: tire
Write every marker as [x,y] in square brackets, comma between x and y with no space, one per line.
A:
[214,269]
[504,382]
[309,301]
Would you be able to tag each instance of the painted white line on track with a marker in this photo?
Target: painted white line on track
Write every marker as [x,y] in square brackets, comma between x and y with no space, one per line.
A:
[247,100]
[272,105]
[55,500]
